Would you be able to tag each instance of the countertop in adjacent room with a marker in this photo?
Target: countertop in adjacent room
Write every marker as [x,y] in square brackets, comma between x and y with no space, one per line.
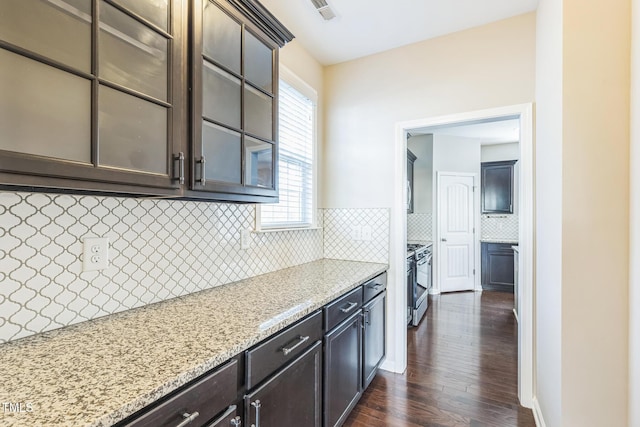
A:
[99,372]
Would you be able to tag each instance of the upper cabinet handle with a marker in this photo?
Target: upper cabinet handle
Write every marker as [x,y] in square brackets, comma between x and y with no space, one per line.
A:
[180,159]
[203,170]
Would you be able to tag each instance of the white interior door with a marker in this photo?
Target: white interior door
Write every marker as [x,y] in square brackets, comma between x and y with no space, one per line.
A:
[456,248]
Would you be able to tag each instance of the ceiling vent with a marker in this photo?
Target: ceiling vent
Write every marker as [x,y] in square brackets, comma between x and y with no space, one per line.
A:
[324,9]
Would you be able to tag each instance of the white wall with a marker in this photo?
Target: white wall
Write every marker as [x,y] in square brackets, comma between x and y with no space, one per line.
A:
[634,233]
[583,197]
[595,208]
[422,147]
[484,67]
[548,257]
[502,152]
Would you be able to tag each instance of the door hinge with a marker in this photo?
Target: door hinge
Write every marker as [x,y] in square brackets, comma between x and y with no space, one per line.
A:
[474,271]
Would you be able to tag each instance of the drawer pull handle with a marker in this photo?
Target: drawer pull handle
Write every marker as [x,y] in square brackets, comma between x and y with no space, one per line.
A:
[349,307]
[375,286]
[256,405]
[230,410]
[188,418]
[299,341]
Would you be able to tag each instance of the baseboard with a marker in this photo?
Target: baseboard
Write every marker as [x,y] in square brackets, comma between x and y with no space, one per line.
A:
[515,313]
[537,414]
[390,366]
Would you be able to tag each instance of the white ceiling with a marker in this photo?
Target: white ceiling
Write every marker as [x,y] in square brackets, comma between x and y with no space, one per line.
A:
[364,27]
[494,132]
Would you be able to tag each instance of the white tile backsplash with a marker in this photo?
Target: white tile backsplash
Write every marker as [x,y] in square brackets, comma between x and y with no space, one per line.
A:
[419,227]
[339,242]
[499,227]
[159,249]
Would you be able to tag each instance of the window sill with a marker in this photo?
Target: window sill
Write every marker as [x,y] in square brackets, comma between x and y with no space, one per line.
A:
[277,230]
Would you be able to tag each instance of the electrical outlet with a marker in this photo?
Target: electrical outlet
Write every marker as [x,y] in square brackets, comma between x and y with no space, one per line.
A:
[245,239]
[356,232]
[95,253]
[366,233]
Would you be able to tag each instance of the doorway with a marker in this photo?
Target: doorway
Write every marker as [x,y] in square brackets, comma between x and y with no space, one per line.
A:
[524,114]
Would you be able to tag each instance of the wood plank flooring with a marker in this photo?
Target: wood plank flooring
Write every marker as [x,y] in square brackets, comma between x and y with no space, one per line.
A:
[462,370]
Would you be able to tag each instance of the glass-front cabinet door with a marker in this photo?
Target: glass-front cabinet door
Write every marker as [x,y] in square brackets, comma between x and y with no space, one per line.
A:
[91,94]
[234,107]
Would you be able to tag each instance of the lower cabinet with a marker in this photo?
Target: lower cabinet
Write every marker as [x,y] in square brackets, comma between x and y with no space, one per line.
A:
[291,397]
[497,267]
[342,370]
[310,374]
[374,325]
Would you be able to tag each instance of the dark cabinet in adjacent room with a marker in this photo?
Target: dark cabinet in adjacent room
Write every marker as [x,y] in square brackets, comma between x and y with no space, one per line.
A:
[411,159]
[497,187]
[497,267]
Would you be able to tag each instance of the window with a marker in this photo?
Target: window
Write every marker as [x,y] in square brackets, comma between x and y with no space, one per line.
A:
[296,158]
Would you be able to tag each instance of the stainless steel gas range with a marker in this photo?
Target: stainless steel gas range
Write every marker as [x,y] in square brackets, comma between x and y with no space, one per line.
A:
[419,281]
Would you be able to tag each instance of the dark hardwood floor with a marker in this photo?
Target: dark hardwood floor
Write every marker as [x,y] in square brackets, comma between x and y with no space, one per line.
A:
[462,370]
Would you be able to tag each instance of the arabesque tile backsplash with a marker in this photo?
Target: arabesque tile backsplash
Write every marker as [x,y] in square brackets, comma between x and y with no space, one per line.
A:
[159,249]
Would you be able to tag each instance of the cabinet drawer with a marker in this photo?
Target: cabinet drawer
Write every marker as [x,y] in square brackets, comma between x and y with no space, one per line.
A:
[374,286]
[207,397]
[343,307]
[283,347]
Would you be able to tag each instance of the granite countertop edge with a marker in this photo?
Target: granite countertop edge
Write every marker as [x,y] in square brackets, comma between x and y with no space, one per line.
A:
[499,240]
[357,272]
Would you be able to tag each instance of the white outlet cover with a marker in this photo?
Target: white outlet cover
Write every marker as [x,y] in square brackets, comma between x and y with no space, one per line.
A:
[95,253]
[366,233]
[245,239]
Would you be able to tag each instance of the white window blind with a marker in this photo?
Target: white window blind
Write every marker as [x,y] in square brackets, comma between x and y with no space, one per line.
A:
[295,162]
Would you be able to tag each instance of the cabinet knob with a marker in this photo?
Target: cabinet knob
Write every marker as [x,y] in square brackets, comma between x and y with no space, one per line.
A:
[236,422]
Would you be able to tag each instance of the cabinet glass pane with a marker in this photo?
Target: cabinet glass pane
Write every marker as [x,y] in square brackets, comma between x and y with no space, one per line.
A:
[258,113]
[222,148]
[131,54]
[221,37]
[220,95]
[132,132]
[258,62]
[60,30]
[43,111]
[156,11]
[258,157]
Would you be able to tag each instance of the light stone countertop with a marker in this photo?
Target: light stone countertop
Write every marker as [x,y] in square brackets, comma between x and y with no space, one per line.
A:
[498,240]
[99,372]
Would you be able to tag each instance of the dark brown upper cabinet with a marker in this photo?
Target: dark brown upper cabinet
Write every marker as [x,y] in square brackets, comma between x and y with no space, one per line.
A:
[497,187]
[92,95]
[96,96]
[411,159]
[234,85]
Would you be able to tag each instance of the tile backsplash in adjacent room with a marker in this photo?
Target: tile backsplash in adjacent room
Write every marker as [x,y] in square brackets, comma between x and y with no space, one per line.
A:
[419,227]
[159,249]
[499,227]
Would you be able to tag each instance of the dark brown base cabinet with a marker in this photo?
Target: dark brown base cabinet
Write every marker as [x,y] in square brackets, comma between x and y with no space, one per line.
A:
[374,326]
[343,370]
[292,397]
[497,267]
[310,374]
